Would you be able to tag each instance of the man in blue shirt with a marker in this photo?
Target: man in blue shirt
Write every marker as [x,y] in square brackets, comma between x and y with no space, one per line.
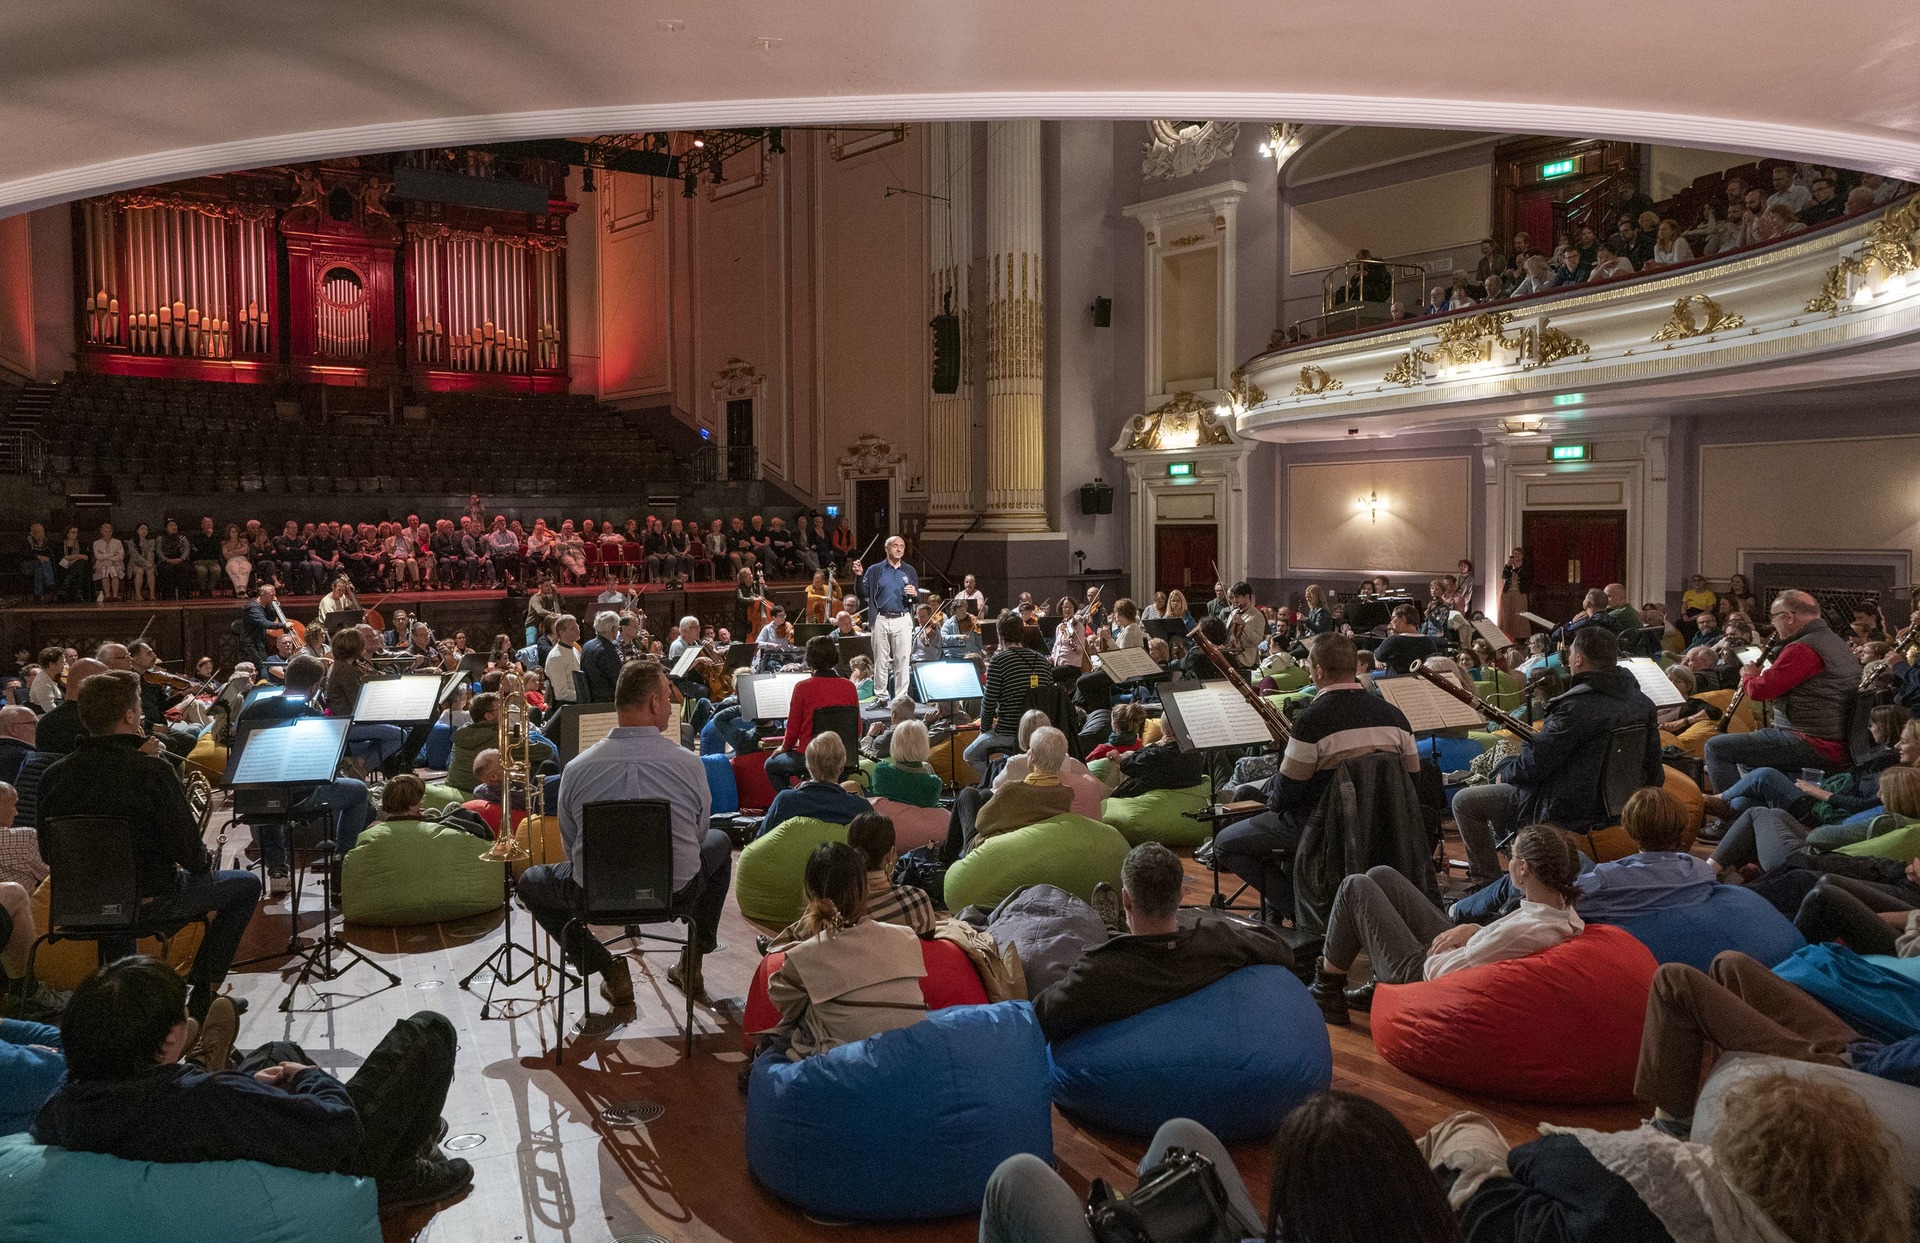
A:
[637,760]
[892,589]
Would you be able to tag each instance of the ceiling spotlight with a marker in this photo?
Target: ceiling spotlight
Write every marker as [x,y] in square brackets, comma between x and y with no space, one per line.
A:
[1521,427]
[699,142]
[586,179]
[690,186]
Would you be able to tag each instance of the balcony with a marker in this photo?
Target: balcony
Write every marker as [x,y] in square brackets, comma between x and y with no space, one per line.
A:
[1842,303]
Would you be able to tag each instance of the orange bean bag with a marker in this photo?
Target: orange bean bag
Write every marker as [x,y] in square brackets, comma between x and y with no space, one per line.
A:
[1561,1027]
[950,981]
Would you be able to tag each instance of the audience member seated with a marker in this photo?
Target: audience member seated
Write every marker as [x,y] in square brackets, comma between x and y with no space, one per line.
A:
[1038,795]
[1015,768]
[1124,733]
[1764,837]
[1010,673]
[1384,915]
[1343,1169]
[1343,720]
[1404,647]
[819,797]
[116,773]
[636,760]
[130,1094]
[904,774]
[871,834]
[600,658]
[1609,263]
[1166,953]
[877,743]
[852,977]
[825,688]
[18,726]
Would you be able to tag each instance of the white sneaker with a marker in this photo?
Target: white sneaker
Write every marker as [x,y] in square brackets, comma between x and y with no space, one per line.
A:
[279,884]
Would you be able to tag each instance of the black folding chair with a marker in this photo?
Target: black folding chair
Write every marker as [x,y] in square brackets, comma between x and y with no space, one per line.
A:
[625,876]
[95,893]
[844,721]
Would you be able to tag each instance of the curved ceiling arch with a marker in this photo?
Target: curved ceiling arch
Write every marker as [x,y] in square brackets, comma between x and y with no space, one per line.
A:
[106,94]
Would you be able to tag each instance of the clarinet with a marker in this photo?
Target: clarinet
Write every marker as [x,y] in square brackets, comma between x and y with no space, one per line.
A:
[1740,696]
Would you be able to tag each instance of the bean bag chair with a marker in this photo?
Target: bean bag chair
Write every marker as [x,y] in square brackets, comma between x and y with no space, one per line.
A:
[1604,845]
[1236,1057]
[720,783]
[418,872]
[438,796]
[946,759]
[711,743]
[56,1196]
[541,836]
[1160,816]
[1901,844]
[921,789]
[490,813]
[1451,754]
[1069,852]
[766,879]
[906,1125]
[914,826]
[1895,1104]
[1286,681]
[950,981]
[62,965]
[1732,918]
[1505,691]
[209,757]
[1873,998]
[1155,730]
[750,780]
[437,750]
[1561,1027]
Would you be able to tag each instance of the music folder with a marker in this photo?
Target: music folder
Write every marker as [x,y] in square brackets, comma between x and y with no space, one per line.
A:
[409,699]
[1207,716]
[302,750]
[1496,638]
[1127,663]
[944,681]
[1539,621]
[1428,709]
[767,696]
[1654,682]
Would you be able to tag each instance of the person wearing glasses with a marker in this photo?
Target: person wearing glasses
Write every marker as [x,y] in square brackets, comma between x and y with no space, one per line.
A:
[1811,685]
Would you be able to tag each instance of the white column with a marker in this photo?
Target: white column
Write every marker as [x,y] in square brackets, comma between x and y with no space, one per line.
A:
[1016,333]
[949,256]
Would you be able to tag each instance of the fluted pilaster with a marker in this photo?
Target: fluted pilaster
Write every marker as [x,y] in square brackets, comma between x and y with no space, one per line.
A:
[949,258]
[1016,331]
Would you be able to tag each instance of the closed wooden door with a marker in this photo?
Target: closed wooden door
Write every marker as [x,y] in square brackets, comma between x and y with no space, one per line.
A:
[1572,553]
[1184,557]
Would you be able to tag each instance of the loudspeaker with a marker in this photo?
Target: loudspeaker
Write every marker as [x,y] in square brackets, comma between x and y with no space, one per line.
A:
[1103,312]
[946,353]
[1096,497]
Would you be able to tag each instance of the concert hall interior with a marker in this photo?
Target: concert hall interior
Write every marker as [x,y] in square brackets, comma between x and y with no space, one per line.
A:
[632,622]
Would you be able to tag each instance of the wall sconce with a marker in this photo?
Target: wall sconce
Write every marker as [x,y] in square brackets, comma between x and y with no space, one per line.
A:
[1283,141]
[1371,503]
[1522,427]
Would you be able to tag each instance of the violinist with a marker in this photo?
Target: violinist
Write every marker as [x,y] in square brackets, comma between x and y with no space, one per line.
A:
[1245,627]
[927,644]
[1070,637]
[777,625]
[160,691]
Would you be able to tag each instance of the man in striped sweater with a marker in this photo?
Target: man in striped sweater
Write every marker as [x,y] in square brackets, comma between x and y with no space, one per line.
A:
[1344,720]
[1010,674]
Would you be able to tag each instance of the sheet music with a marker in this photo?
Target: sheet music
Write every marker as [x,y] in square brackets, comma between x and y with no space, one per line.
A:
[1495,637]
[1428,709]
[1539,621]
[1127,663]
[685,663]
[1216,716]
[299,751]
[767,696]
[409,698]
[1654,682]
[593,726]
[943,681]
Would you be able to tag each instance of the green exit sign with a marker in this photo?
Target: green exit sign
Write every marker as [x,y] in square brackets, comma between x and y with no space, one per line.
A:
[1179,470]
[1559,168]
[1572,453]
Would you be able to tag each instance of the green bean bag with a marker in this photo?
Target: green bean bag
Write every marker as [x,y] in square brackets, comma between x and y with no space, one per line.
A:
[417,872]
[52,1195]
[1505,691]
[1896,838]
[767,879]
[1159,816]
[1286,681]
[1069,852]
[439,796]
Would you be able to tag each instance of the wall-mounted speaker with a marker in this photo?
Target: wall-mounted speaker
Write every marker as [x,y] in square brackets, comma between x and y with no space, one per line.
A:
[1103,312]
[1096,497]
[946,353]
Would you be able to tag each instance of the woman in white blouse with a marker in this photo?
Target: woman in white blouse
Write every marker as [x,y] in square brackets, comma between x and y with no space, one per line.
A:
[1669,246]
[1384,915]
[109,563]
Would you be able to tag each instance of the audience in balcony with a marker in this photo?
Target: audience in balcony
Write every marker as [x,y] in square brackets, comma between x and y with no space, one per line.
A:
[1631,243]
[1538,279]
[1669,246]
[1610,263]
[1787,192]
[1826,205]
[1776,222]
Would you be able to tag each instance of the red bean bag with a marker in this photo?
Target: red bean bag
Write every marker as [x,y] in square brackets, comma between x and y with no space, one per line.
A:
[1561,1027]
[950,981]
[750,778]
[490,812]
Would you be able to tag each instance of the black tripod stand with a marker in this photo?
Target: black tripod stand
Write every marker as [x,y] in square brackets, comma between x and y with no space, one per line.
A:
[316,959]
[500,962]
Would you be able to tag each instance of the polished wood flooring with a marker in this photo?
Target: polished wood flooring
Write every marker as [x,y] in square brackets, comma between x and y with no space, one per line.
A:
[550,1169]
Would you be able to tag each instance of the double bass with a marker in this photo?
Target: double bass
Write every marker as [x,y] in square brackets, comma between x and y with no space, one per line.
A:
[759,608]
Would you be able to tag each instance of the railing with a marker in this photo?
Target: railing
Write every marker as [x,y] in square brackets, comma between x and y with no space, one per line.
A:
[23,453]
[713,464]
[1361,293]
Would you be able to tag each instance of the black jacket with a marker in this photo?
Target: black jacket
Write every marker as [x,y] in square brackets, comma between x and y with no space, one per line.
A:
[600,664]
[1558,1193]
[109,776]
[1558,773]
[60,730]
[1369,815]
[13,753]
[1130,974]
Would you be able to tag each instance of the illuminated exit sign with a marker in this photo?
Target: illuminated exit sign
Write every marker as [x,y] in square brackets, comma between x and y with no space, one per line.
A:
[1180,470]
[1572,453]
[1559,168]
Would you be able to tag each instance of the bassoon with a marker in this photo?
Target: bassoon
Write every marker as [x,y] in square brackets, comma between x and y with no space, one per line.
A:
[1276,722]
[1505,720]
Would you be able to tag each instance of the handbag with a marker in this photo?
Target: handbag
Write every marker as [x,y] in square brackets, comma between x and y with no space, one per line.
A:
[1180,1200]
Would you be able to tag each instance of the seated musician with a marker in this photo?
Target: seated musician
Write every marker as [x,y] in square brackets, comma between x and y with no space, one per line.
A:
[563,659]
[130,1094]
[255,620]
[1342,721]
[825,689]
[1811,685]
[770,633]
[1405,646]
[115,772]
[344,797]
[1556,778]
[844,625]
[927,644]
[481,732]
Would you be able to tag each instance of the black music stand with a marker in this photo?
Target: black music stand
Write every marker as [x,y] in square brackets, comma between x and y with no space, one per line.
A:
[946,681]
[1195,728]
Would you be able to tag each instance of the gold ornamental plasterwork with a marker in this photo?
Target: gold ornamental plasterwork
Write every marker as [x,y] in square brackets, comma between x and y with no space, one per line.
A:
[1406,370]
[1183,423]
[1192,239]
[1016,339]
[1464,342]
[1551,345]
[1891,247]
[1243,394]
[1682,325]
[1314,381]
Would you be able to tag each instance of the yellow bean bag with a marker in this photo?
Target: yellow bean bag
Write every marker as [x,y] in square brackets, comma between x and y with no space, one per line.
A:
[209,757]
[1604,845]
[946,760]
[541,836]
[63,964]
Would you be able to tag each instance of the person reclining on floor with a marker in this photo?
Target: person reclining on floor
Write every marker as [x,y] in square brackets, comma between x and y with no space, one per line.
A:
[1384,915]
[871,834]
[1664,874]
[1765,837]
[130,1095]
[1166,953]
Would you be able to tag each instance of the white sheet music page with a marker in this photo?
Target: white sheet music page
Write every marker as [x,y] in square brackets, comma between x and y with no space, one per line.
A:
[1217,716]
[1127,663]
[1428,709]
[409,698]
[596,725]
[1654,682]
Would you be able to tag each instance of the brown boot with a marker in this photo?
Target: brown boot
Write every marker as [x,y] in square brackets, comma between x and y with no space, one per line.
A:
[217,1035]
[692,983]
[1718,807]
[616,984]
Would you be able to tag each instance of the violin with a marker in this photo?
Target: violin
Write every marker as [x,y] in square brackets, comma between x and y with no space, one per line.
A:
[157,676]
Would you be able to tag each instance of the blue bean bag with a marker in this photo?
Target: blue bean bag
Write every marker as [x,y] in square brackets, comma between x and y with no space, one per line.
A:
[1873,999]
[437,750]
[908,1124]
[1451,754]
[1236,1057]
[726,795]
[55,1196]
[711,743]
[1731,918]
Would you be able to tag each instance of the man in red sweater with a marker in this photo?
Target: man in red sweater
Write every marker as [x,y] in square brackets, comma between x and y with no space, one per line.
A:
[1812,684]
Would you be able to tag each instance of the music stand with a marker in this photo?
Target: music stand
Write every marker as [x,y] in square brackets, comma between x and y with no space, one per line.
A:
[344,619]
[1211,717]
[803,631]
[410,699]
[300,754]
[849,646]
[946,681]
[583,726]
[767,696]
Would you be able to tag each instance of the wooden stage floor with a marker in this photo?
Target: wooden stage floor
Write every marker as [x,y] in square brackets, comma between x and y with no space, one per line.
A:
[549,1170]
